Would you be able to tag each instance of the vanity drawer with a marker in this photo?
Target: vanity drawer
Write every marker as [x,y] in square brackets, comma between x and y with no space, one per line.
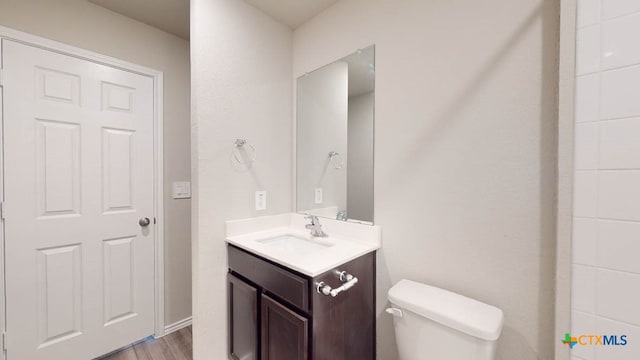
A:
[274,279]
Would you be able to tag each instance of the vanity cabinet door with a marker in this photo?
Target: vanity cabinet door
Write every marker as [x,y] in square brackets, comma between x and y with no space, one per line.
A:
[285,334]
[243,320]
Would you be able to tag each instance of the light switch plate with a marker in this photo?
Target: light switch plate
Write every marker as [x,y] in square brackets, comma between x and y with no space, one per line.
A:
[261,200]
[181,190]
[318,196]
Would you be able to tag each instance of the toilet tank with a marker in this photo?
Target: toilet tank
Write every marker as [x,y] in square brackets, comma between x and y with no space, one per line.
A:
[436,324]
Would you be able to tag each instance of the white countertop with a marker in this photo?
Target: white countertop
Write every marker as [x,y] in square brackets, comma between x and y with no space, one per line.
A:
[346,241]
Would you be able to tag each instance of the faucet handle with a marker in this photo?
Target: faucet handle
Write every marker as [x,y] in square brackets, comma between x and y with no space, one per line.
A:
[313,218]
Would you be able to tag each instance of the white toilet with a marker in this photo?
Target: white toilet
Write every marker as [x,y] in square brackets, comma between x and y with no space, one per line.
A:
[436,324]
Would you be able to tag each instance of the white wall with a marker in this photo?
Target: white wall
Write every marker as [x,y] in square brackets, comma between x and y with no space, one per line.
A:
[360,162]
[321,128]
[465,149]
[91,27]
[606,233]
[242,88]
[566,121]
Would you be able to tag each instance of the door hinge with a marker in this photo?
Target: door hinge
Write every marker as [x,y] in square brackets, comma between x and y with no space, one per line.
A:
[4,341]
[1,77]
[3,211]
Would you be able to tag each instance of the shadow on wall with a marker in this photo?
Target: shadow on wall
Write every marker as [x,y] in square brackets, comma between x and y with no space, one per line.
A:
[548,178]
[384,321]
[437,127]
[517,340]
[453,111]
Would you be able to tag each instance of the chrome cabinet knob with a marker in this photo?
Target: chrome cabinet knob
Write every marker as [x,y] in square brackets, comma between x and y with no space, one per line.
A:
[144,222]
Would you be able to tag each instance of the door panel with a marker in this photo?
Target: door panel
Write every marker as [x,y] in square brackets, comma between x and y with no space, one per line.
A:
[59,295]
[58,167]
[54,85]
[78,177]
[243,320]
[285,334]
[119,275]
[117,169]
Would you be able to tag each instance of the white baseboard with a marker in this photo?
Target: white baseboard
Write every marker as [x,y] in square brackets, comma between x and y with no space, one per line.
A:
[177,325]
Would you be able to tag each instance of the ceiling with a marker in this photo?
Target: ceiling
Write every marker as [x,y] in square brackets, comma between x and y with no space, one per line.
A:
[172,16]
[292,12]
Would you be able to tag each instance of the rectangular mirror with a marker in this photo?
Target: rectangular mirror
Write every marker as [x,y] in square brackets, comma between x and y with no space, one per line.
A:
[335,128]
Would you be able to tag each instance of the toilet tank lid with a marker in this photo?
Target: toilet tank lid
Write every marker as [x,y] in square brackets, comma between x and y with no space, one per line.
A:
[448,308]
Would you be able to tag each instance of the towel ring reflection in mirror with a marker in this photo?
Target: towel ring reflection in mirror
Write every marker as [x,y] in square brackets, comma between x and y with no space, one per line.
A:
[335,159]
[250,151]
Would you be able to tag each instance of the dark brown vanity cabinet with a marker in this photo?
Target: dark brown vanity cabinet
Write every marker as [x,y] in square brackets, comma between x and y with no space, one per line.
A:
[243,319]
[285,334]
[278,314]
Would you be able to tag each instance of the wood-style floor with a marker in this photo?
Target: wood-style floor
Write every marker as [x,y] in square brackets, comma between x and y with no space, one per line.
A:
[175,346]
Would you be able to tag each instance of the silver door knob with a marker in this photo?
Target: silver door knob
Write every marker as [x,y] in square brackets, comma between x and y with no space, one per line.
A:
[144,222]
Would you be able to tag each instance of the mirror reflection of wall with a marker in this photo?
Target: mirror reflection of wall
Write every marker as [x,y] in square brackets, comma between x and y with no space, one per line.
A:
[335,128]
[322,129]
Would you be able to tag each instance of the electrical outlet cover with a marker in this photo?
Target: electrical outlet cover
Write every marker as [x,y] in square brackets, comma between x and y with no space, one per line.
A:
[261,200]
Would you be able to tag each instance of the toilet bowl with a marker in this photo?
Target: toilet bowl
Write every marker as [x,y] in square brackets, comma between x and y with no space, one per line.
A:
[436,324]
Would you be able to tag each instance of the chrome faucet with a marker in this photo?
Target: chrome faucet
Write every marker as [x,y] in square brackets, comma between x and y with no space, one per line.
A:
[341,215]
[315,227]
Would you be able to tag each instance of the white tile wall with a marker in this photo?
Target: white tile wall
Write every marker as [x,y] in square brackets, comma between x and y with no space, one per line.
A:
[585,194]
[585,238]
[583,288]
[614,8]
[582,323]
[620,91]
[606,228]
[588,50]
[586,142]
[620,144]
[588,12]
[618,245]
[617,296]
[588,98]
[620,42]
[619,195]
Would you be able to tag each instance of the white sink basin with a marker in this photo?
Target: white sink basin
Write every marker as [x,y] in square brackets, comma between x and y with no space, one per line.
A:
[285,240]
[294,245]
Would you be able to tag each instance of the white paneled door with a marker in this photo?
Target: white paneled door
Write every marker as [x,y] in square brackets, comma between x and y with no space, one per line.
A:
[79,190]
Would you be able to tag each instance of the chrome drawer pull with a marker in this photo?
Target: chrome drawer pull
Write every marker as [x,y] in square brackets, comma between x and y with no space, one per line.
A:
[346,286]
[344,276]
[325,289]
